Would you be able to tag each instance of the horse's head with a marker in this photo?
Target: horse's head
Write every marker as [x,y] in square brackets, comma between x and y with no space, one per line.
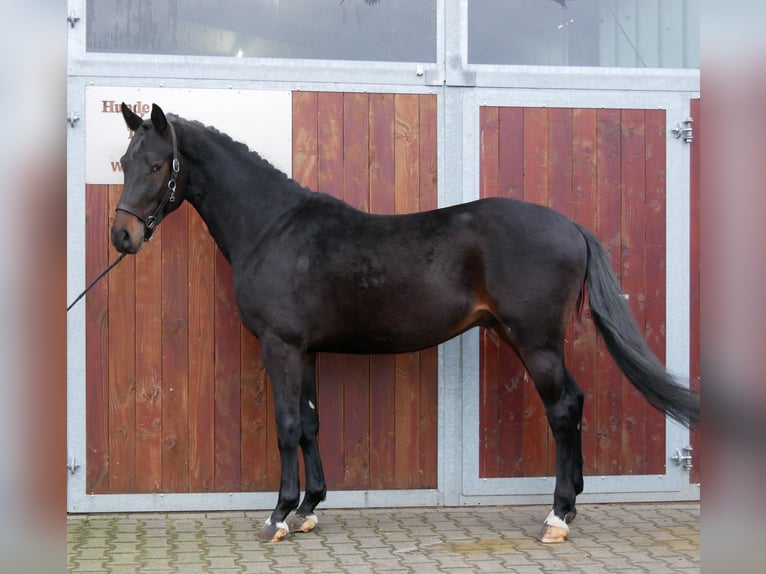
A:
[151,171]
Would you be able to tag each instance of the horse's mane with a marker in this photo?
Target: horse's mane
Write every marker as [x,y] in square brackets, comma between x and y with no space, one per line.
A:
[229,143]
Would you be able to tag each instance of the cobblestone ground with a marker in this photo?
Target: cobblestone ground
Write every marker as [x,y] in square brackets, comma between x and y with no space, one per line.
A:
[610,538]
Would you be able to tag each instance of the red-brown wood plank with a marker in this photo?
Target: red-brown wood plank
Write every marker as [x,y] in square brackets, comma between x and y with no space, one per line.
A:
[489,403]
[406,153]
[228,456]
[330,370]
[272,444]
[259,445]
[356,162]
[305,172]
[560,199]
[382,421]
[510,370]
[175,352]
[511,152]
[122,370]
[428,153]
[429,417]
[488,152]
[632,272]
[255,424]
[330,405]
[406,416]
[560,160]
[654,254]
[429,358]
[694,319]
[356,368]
[584,340]
[382,367]
[201,258]
[536,432]
[608,206]
[406,193]
[382,153]
[305,139]
[148,314]
[489,341]
[97,339]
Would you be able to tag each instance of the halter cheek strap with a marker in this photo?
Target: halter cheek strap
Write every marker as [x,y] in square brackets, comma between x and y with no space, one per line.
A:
[152,220]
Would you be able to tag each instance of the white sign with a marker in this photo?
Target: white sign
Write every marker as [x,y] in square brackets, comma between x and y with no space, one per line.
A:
[260,119]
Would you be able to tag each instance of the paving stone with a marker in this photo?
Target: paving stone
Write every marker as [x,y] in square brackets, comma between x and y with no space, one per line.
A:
[256,567]
[89,566]
[653,538]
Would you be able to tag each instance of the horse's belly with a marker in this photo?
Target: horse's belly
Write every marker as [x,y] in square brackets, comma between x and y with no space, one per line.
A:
[408,326]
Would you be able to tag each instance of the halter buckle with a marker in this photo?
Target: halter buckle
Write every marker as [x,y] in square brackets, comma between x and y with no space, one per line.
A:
[176,165]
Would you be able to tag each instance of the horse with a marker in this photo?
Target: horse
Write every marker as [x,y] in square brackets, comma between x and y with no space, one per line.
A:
[312,274]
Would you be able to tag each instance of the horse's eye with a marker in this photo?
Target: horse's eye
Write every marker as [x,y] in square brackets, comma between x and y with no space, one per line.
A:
[156,167]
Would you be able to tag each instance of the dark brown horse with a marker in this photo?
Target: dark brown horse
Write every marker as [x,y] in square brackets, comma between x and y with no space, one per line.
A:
[312,274]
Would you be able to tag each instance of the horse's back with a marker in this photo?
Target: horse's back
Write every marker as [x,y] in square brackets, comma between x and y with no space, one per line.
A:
[354,282]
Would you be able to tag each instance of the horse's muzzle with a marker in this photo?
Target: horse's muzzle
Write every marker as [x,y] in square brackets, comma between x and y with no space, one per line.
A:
[127,233]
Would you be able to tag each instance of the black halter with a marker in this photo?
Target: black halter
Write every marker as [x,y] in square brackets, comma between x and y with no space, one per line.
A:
[152,220]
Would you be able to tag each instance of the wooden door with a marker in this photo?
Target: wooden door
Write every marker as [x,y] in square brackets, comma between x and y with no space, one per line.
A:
[695,338]
[604,168]
[177,398]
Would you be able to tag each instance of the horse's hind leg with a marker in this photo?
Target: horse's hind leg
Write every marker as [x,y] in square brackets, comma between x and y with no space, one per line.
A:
[563,401]
[304,519]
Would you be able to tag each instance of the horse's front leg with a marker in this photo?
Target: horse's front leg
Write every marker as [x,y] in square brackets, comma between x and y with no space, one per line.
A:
[304,519]
[284,365]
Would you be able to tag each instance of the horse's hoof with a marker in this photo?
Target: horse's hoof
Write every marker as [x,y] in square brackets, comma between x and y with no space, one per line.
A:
[554,529]
[301,523]
[273,532]
[552,534]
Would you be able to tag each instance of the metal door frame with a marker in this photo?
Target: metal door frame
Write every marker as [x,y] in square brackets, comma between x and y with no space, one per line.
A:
[674,484]
[89,69]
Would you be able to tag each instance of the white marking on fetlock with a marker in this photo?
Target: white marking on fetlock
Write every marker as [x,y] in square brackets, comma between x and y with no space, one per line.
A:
[312,517]
[283,526]
[553,520]
[312,406]
[268,521]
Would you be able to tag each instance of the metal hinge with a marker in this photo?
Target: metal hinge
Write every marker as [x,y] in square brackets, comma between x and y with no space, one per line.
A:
[684,130]
[72,119]
[683,457]
[72,465]
[72,19]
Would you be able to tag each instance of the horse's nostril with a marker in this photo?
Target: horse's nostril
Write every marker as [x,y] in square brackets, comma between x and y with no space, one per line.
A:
[121,240]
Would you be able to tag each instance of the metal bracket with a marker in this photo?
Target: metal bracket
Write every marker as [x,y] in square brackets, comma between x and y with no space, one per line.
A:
[683,457]
[72,19]
[72,119]
[685,130]
[72,465]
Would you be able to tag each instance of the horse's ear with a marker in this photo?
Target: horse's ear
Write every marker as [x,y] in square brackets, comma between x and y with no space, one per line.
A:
[158,119]
[133,120]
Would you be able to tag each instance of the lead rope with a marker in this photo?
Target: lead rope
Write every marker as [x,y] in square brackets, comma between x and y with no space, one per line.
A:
[92,283]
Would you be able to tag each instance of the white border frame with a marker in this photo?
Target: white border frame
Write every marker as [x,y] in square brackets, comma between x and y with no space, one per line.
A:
[453,80]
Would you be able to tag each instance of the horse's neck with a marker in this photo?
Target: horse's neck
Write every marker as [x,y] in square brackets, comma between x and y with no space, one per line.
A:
[235,197]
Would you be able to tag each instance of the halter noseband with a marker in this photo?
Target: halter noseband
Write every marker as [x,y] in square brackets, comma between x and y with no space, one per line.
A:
[153,219]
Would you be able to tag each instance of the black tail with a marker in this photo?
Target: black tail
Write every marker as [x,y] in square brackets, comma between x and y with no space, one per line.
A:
[623,339]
